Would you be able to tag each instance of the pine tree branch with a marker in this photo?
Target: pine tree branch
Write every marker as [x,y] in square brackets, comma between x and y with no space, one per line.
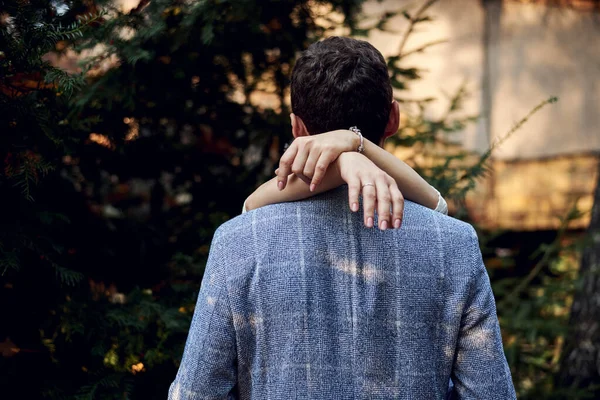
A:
[420,49]
[412,21]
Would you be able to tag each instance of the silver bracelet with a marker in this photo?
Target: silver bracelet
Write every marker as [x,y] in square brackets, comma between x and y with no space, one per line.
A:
[442,206]
[361,147]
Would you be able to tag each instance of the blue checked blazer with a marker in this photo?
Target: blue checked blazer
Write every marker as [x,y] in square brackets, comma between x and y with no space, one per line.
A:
[301,301]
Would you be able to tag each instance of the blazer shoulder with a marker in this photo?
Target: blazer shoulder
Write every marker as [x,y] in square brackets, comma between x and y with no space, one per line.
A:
[417,215]
[233,233]
[456,226]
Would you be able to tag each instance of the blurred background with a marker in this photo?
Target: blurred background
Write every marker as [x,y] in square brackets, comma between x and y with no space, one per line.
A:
[130,130]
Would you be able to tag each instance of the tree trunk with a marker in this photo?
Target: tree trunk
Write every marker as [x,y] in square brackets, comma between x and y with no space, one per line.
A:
[580,366]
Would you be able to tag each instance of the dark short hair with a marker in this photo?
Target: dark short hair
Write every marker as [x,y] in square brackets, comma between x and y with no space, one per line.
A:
[341,82]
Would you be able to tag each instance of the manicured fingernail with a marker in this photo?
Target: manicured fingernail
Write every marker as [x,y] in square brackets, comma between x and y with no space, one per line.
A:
[312,187]
[383,225]
[354,207]
[370,222]
[397,223]
[280,185]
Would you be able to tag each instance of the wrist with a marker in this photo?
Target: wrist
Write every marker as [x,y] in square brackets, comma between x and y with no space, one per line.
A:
[351,139]
[346,161]
[338,166]
[360,148]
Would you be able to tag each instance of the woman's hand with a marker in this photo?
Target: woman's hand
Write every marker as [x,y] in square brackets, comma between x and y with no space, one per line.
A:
[308,157]
[378,190]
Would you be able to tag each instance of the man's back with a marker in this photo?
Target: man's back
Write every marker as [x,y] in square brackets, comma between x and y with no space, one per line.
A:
[301,301]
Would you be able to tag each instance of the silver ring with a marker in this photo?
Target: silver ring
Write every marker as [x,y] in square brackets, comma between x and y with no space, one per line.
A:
[368,184]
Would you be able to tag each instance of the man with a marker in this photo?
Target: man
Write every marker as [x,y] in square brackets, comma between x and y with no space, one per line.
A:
[300,300]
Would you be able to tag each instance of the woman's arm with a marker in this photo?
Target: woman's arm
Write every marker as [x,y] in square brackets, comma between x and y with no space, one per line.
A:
[310,156]
[296,189]
[362,175]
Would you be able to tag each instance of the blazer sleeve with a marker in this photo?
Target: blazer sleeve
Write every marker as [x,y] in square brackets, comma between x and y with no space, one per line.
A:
[480,369]
[208,369]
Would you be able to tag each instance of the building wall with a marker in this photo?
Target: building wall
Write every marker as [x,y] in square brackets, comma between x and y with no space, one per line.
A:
[513,56]
[536,194]
[544,51]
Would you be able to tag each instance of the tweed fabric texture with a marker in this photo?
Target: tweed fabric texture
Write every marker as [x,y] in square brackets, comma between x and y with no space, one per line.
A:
[301,301]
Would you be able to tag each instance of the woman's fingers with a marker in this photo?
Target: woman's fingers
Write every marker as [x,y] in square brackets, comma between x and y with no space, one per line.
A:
[300,162]
[397,204]
[353,193]
[378,192]
[307,158]
[285,165]
[325,160]
[369,194]
[384,202]
[308,169]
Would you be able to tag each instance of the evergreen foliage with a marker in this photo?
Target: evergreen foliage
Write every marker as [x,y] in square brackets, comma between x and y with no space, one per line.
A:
[116,176]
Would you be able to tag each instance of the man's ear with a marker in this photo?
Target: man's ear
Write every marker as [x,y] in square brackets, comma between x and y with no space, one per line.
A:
[298,127]
[393,121]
